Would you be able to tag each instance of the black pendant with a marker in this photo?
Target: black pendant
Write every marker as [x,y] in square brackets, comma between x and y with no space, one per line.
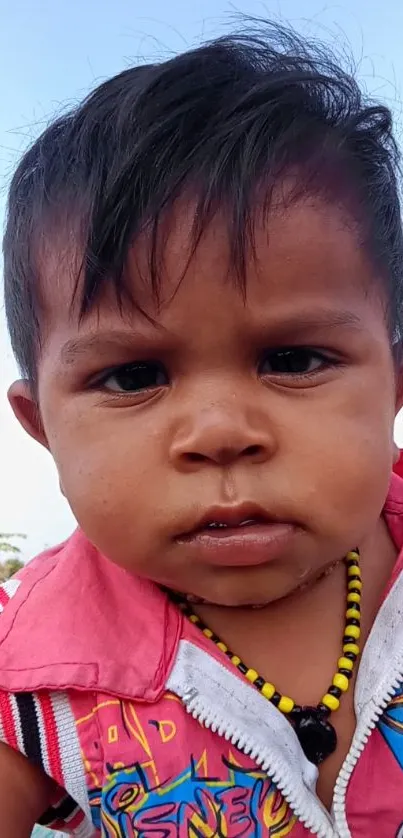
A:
[316,735]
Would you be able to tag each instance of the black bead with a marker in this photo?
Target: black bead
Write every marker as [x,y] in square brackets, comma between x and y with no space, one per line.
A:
[336,691]
[353,563]
[275,699]
[355,605]
[347,672]
[353,621]
[259,682]
[242,668]
[351,656]
[347,639]
[325,711]
[316,735]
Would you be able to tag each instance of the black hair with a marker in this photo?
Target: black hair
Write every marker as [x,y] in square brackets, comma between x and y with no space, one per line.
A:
[221,122]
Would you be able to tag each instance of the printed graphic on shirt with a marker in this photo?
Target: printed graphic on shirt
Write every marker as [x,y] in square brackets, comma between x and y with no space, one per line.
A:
[391,725]
[170,789]
[243,804]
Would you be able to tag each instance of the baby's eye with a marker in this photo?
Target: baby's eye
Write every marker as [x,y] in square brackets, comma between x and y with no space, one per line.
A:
[292,361]
[134,378]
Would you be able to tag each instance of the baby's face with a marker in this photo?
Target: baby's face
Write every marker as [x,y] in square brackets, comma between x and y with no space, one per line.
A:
[278,407]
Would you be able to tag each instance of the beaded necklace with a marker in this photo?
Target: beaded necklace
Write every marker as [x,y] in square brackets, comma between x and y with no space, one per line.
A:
[311,724]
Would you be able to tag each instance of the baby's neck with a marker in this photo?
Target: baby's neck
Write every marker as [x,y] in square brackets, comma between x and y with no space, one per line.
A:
[295,642]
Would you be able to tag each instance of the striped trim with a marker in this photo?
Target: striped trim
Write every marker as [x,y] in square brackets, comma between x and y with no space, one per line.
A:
[61,811]
[3,598]
[7,591]
[77,822]
[42,727]
[67,814]
[69,745]
[17,723]
[49,737]
[7,719]
[31,740]
[77,826]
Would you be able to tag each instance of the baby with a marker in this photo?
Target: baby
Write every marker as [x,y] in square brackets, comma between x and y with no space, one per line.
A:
[203,280]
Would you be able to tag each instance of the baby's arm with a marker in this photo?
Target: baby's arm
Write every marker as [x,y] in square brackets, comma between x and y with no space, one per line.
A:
[25,794]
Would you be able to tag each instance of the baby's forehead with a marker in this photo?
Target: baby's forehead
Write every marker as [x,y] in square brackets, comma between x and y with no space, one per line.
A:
[291,250]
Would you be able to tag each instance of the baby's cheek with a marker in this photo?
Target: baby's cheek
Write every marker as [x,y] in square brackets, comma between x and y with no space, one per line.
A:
[340,462]
[91,481]
[357,486]
[112,502]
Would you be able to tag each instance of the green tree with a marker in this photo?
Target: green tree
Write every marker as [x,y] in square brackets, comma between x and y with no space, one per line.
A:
[12,561]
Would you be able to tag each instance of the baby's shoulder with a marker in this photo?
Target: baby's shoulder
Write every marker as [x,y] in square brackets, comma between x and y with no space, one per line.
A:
[37,617]
[73,619]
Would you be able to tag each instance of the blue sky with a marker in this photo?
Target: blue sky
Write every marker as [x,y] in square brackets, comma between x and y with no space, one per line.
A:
[52,52]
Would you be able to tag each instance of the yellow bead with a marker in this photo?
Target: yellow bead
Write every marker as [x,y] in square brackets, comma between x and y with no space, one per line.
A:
[235,660]
[353,612]
[354,571]
[341,681]
[222,647]
[354,597]
[352,555]
[207,632]
[286,704]
[351,647]
[268,690]
[352,631]
[331,701]
[194,618]
[355,585]
[345,663]
[251,675]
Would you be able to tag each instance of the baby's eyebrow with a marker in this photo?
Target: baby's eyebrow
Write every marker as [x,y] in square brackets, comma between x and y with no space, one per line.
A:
[101,342]
[299,323]
[307,324]
[320,318]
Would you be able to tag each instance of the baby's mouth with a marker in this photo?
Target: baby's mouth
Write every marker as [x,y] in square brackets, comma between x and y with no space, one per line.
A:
[236,537]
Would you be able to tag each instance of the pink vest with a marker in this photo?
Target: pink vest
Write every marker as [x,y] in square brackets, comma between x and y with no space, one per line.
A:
[147,729]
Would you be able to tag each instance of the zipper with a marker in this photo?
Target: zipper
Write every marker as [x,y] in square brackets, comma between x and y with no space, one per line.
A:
[194,706]
[198,685]
[215,697]
[360,739]
[304,804]
[377,682]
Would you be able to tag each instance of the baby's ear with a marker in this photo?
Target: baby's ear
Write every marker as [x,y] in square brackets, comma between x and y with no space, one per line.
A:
[26,410]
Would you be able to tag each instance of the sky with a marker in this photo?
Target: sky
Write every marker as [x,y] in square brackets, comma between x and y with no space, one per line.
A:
[52,52]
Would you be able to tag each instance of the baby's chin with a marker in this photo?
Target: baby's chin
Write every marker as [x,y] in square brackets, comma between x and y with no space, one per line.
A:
[223,599]
[251,590]
[220,601]
[284,587]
